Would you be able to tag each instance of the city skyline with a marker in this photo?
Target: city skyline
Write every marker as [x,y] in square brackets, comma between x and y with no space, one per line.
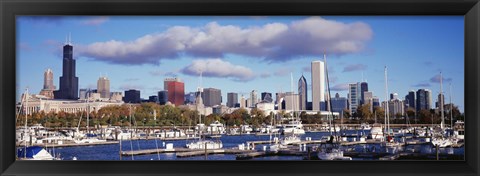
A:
[131,60]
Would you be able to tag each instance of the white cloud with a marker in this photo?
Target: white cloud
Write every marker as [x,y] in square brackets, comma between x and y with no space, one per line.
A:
[270,42]
[218,68]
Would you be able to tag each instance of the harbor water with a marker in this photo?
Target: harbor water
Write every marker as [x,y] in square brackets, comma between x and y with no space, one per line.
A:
[112,151]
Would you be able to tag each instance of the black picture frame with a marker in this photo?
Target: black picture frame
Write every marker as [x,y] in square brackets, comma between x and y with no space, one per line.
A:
[470,9]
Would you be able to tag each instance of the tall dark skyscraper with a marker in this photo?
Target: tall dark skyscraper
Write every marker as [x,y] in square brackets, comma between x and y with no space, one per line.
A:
[410,99]
[68,80]
[302,92]
[363,88]
[424,99]
[232,99]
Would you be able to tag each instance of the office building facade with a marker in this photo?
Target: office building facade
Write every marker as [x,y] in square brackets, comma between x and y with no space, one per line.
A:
[354,96]
[103,87]
[303,93]
[176,90]
[363,89]
[211,97]
[48,86]
[410,99]
[339,103]
[424,99]
[232,99]
[318,84]
[132,96]
[68,81]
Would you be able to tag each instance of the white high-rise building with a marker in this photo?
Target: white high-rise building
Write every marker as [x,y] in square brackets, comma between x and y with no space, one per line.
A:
[318,84]
[242,102]
[253,98]
[354,96]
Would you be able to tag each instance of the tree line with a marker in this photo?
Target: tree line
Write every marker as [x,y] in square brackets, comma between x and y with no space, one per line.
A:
[151,114]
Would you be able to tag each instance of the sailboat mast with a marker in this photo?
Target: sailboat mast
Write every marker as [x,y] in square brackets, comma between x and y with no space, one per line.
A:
[441,101]
[387,118]
[451,107]
[88,114]
[293,94]
[25,130]
[328,96]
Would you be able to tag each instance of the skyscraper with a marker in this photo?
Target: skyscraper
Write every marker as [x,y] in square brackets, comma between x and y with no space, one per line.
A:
[132,96]
[176,90]
[232,99]
[354,96]
[243,102]
[302,92]
[368,99]
[68,80]
[211,97]
[253,98]
[162,97]
[423,99]
[363,89]
[48,86]
[410,99]
[103,87]
[318,84]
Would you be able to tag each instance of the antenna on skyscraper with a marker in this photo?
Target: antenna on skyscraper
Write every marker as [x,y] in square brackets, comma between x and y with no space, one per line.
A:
[69,38]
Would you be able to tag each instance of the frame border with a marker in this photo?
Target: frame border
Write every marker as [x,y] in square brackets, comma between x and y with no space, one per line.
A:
[470,9]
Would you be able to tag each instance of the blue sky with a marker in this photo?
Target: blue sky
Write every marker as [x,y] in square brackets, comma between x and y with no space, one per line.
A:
[240,54]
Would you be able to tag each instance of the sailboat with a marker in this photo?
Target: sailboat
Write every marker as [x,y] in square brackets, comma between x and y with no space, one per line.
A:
[294,125]
[202,143]
[331,149]
[32,152]
[439,139]
[89,137]
[391,146]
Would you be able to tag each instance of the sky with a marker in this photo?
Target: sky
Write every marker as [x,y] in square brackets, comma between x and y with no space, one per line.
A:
[244,53]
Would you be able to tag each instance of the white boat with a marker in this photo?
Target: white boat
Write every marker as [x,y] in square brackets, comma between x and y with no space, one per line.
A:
[89,139]
[293,127]
[290,139]
[246,129]
[331,153]
[376,132]
[33,153]
[201,144]
[459,130]
[330,150]
[365,126]
[442,142]
[216,128]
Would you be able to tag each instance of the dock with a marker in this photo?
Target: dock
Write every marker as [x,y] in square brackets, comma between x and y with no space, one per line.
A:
[154,151]
[72,144]
[215,151]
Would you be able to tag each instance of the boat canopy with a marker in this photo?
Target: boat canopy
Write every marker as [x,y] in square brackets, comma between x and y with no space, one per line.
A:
[29,152]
